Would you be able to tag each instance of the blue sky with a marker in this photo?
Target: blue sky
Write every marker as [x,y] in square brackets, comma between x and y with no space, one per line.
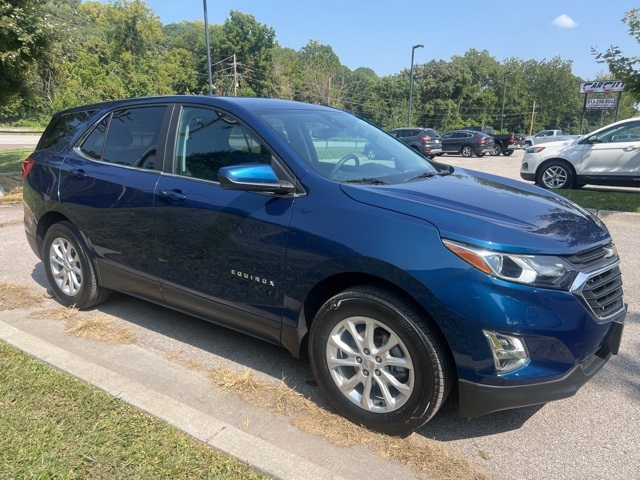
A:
[379,34]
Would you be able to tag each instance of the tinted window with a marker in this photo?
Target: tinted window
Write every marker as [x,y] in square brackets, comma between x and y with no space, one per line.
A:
[126,137]
[430,132]
[209,140]
[60,127]
[94,144]
[628,132]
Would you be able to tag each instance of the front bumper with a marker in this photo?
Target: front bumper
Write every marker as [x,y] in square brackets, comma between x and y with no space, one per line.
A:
[479,399]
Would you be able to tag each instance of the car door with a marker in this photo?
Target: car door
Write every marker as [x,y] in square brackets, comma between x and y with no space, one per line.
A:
[220,252]
[447,142]
[106,189]
[614,153]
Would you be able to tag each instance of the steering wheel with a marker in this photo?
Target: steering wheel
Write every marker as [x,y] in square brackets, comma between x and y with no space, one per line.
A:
[342,161]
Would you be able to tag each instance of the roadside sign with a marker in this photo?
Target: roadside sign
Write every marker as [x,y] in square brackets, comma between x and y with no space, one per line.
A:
[610,86]
[601,103]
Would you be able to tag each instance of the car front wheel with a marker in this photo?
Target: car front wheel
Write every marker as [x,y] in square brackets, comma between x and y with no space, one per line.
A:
[556,175]
[377,361]
[69,270]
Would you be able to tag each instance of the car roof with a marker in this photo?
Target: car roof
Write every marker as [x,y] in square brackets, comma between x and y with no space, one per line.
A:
[247,103]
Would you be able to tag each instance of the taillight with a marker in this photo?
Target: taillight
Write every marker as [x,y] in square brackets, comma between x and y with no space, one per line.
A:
[512,138]
[26,167]
[425,139]
[482,139]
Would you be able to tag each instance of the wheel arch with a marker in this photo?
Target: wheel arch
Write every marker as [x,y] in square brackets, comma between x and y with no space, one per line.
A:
[334,284]
[44,224]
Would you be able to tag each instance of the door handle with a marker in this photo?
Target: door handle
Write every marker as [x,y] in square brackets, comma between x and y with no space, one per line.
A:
[174,196]
[78,174]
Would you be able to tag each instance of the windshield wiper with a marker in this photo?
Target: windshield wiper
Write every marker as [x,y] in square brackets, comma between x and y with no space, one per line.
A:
[442,173]
[372,181]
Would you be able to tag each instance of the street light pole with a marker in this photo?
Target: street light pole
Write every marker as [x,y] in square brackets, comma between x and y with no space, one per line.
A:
[206,36]
[504,92]
[411,83]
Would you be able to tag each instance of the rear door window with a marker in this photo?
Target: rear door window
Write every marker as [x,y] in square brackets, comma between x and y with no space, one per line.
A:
[126,137]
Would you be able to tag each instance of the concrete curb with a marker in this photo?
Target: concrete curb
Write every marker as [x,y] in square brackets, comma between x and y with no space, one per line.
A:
[608,216]
[260,454]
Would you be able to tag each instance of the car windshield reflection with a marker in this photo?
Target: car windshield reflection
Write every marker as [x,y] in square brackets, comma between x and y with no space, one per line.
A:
[342,147]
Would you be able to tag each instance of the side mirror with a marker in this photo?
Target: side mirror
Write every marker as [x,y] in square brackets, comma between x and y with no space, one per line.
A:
[252,177]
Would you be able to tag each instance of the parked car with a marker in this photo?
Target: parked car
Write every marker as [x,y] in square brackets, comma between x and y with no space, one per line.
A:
[546,136]
[399,277]
[467,143]
[422,139]
[505,142]
[608,156]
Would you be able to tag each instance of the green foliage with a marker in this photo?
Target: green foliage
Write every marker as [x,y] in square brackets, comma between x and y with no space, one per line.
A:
[625,68]
[77,52]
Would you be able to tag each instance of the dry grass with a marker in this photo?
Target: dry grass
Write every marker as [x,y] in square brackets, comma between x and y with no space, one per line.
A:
[14,196]
[91,327]
[100,329]
[11,223]
[191,364]
[423,456]
[14,296]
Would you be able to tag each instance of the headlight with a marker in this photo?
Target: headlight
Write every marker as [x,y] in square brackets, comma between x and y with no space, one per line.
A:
[542,271]
[534,149]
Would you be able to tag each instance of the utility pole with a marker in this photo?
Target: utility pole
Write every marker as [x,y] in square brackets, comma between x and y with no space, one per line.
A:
[235,76]
[533,114]
[206,36]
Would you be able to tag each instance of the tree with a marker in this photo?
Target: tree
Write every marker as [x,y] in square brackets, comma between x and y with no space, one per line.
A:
[625,68]
[25,37]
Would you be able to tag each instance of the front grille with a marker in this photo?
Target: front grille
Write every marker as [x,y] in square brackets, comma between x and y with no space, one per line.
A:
[600,287]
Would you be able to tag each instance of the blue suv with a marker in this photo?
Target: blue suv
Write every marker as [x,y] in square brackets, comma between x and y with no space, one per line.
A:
[400,278]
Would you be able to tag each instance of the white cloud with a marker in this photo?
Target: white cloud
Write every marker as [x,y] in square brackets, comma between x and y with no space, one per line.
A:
[564,21]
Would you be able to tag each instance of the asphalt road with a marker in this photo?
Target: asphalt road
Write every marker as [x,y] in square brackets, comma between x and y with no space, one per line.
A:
[593,435]
[18,140]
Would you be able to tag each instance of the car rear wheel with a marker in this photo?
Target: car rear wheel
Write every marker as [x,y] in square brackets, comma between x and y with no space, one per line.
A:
[506,153]
[467,151]
[69,269]
[377,361]
[495,152]
[556,175]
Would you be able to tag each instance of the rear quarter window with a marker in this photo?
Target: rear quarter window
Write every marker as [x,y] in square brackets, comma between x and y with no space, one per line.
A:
[60,127]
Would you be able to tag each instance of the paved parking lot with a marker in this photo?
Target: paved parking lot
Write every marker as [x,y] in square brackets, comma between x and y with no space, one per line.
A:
[593,435]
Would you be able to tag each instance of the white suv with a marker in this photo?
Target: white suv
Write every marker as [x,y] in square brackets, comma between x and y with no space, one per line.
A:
[608,156]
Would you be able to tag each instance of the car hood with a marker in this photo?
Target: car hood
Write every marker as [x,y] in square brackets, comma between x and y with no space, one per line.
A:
[490,211]
[559,143]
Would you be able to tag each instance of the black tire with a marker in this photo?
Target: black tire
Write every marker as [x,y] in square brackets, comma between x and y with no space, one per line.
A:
[495,152]
[366,363]
[466,151]
[69,269]
[506,153]
[556,175]
[527,144]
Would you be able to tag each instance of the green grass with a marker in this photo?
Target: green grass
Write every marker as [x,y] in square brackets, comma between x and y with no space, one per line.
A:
[603,199]
[11,159]
[55,426]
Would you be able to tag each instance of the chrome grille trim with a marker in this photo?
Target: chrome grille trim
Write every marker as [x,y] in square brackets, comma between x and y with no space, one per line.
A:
[598,286]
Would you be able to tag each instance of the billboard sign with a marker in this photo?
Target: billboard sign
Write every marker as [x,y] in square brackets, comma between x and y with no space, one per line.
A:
[610,86]
[601,103]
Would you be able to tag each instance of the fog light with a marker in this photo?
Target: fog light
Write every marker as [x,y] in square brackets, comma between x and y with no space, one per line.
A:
[509,352]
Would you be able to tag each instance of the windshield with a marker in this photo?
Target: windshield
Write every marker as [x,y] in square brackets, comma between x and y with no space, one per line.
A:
[342,147]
